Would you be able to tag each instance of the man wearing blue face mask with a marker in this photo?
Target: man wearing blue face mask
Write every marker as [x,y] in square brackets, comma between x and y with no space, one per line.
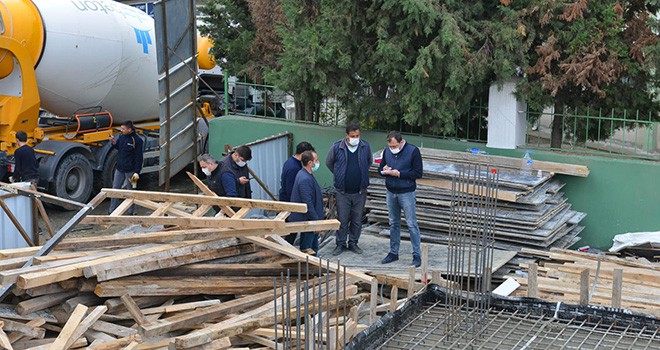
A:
[402,166]
[307,190]
[349,160]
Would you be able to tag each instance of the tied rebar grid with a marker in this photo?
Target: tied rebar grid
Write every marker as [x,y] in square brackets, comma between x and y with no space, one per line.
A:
[314,315]
[470,251]
[521,331]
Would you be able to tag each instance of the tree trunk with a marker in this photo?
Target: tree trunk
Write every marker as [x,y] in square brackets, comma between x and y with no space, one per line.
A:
[557,126]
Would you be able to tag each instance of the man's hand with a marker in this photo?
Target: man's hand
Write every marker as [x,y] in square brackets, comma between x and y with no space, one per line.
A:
[112,139]
[243,180]
[387,168]
[11,179]
[395,172]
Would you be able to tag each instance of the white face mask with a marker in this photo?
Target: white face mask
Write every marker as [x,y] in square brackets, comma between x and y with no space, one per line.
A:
[316,167]
[241,163]
[395,150]
[206,171]
[353,141]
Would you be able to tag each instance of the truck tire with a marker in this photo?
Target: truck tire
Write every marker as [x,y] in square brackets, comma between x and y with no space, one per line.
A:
[74,178]
[103,179]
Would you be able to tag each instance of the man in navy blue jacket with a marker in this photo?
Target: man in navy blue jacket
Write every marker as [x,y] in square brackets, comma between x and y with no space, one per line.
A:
[130,150]
[349,160]
[289,171]
[307,190]
[26,166]
[402,166]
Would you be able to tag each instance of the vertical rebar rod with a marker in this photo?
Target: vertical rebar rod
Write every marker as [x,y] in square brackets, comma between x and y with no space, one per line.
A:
[275,308]
[299,305]
[282,305]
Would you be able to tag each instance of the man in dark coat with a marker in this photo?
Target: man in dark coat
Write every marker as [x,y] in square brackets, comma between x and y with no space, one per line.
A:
[289,171]
[307,190]
[130,150]
[26,167]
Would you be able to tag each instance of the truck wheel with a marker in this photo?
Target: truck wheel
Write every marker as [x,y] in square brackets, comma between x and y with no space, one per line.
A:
[74,178]
[103,179]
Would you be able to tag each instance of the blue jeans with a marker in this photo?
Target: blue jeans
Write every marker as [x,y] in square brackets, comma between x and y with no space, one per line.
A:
[309,240]
[405,201]
[120,180]
[350,207]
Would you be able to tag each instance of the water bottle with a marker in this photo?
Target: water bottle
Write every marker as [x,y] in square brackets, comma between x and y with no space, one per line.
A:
[527,162]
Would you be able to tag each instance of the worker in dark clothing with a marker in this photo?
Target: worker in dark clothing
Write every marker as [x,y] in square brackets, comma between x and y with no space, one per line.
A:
[26,166]
[130,150]
[307,190]
[289,171]
[230,176]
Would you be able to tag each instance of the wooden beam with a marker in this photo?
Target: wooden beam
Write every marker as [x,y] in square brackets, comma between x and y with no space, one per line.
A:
[504,195]
[584,287]
[508,162]
[373,302]
[134,310]
[68,204]
[4,340]
[206,199]
[411,281]
[23,330]
[39,303]
[617,285]
[226,210]
[87,322]
[122,207]
[200,222]
[69,328]
[532,280]
[179,286]
[44,217]
[394,296]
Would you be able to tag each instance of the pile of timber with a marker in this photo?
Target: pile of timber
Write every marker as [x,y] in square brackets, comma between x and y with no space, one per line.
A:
[531,209]
[185,280]
[570,276]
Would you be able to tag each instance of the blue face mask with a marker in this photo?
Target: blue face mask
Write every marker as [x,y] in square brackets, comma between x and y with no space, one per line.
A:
[316,167]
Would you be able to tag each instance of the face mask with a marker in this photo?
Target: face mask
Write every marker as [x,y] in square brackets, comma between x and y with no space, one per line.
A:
[353,141]
[241,163]
[395,151]
[316,167]
[206,171]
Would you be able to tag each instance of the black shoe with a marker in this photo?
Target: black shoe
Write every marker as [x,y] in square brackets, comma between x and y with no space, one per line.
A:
[417,261]
[389,258]
[354,248]
[338,250]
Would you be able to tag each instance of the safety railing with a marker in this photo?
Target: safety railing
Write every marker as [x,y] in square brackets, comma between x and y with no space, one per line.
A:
[614,132]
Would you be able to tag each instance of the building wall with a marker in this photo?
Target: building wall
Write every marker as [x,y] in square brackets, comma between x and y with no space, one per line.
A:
[619,195]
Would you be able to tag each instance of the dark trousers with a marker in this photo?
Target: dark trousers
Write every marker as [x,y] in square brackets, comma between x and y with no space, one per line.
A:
[350,207]
[309,240]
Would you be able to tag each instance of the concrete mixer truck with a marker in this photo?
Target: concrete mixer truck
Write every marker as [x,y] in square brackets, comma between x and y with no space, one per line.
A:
[89,63]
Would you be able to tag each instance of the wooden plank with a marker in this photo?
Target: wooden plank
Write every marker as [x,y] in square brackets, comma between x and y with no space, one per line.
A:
[532,275]
[69,328]
[508,162]
[87,322]
[373,302]
[31,330]
[287,249]
[206,199]
[584,287]
[425,263]
[122,207]
[224,210]
[157,259]
[411,281]
[176,286]
[18,252]
[157,207]
[183,222]
[39,303]
[179,307]
[4,340]
[113,329]
[117,344]
[134,310]
[617,285]
[44,217]
[394,296]
[503,195]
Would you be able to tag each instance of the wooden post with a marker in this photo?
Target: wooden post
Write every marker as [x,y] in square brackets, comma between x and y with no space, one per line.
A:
[394,296]
[617,285]
[425,263]
[411,281]
[532,280]
[35,221]
[436,278]
[373,302]
[584,287]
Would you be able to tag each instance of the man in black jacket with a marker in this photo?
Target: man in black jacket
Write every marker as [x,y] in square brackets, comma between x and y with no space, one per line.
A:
[129,161]
[26,165]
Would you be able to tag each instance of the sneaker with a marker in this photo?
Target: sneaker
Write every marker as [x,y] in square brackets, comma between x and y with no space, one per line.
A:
[354,248]
[338,250]
[417,261]
[389,258]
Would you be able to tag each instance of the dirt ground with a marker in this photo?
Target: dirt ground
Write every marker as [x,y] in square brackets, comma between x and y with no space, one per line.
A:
[58,217]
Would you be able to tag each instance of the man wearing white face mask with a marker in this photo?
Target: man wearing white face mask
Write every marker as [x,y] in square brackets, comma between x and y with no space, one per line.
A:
[230,176]
[307,190]
[402,166]
[349,160]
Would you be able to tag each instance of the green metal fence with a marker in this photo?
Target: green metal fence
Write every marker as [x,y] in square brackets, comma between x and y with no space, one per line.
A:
[258,100]
[621,133]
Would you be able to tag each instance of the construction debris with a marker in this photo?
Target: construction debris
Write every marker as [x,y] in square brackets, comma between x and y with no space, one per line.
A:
[531,210]
[598,279]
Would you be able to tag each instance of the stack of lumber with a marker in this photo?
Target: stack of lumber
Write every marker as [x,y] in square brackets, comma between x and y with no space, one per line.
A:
[200,282]
[559,272]
[531,209]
